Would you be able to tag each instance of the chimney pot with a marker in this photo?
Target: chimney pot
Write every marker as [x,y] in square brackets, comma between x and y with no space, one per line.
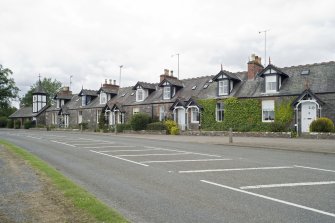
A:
[171,73]
[166,72]
[105,81]
[110,81]
[114,82]
[254,66]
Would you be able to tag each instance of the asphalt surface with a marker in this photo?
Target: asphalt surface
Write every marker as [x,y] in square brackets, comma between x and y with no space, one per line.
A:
[170,180]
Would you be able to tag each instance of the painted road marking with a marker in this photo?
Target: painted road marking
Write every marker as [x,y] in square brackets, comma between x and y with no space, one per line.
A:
[63,143]
[176,161]
[237,169]
[132,150]
[116,157]
[97,147]
[156,154]
[288,185]
[270,198]
[33,137]
[174,150]
[94,143]
[313,168]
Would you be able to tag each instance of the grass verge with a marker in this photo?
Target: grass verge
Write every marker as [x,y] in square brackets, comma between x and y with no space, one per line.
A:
[81,198]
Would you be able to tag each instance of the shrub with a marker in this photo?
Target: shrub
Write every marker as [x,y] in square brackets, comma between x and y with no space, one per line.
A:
[83,125]
[322,125]
[10,123]
[278,127]
[169,124]
[27,124]
[121,127]
[174,130]
[3,122]
[156,126]
[140,121]
[17,124]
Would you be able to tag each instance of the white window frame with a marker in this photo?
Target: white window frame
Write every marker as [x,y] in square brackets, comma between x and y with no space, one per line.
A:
[271,83]
[80,117]
[195,115]
[57,103]
[103,98]
[140,94]
[136,111]
[167,92]
[98,115]
[161,113]
[223,87]
[219,111]
[268,108]
[83,100]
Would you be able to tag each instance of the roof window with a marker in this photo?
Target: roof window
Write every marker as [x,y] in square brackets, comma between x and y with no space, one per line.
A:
[305,72]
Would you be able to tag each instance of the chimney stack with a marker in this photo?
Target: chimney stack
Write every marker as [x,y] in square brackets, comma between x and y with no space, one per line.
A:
[167,75]
[254,66]
[114,82]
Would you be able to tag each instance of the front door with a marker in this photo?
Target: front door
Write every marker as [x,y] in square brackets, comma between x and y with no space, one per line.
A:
[181,119]
[308,114]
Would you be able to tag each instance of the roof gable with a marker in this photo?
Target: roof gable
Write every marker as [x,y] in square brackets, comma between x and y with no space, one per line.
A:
[225,75]
[144,85]
[307,95]
[271,70]
[172,81]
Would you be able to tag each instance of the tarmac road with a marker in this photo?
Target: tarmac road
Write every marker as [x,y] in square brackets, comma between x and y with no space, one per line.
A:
[155,180]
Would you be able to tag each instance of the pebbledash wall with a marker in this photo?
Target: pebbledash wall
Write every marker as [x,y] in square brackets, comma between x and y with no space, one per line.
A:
[310,89]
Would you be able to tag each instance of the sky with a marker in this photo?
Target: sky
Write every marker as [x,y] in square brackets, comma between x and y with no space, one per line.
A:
[90,39]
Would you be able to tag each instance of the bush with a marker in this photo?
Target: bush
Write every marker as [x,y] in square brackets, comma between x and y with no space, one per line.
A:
[27,124]
[156,126]
[10,123]
[17,124]
[174,130]
[169,124]
[121,127]
[3,122]
[278,127]
[322,125]
[83,125]
[139,121]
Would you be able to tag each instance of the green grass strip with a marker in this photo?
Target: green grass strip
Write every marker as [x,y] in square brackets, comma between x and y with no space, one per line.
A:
[80,197]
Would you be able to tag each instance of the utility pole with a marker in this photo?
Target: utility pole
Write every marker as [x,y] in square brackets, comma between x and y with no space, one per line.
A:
[120,75]
[264,31]
[177,54]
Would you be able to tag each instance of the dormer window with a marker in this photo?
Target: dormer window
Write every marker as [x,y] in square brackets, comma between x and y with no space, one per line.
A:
[271,83]
[83,100]
[103,98]
[167,92]
[273,78]
[226,82]
[141,94]
[224,87]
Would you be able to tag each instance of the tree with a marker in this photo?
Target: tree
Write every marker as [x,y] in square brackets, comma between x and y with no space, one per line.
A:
[8,90]
[49,86]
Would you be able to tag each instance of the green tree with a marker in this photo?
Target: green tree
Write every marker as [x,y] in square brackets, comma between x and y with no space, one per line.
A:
[49,86]
[8,91]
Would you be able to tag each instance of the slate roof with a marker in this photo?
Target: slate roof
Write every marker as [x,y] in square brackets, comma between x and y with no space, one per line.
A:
[145,85]
[321,79]
[88,92]
[27,112]
[39,89]
[228,74]
[172,80]
[108,90]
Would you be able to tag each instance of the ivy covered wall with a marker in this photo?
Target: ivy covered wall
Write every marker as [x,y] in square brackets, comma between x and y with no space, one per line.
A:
[245,115]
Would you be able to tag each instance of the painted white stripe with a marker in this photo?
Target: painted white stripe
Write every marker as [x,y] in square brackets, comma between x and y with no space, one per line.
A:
[132,150]
[33,137]
[177,161]
[271,199]
[174,150]
[157,154]
[288,185]
[236,169]
[63,143]
[94,143]
[118,158]
[97,147]
[313,168]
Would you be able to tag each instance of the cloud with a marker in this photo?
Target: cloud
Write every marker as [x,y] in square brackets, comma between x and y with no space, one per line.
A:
[91,39]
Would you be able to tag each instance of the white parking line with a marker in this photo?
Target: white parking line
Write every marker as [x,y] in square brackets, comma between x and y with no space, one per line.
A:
[313,168]
[97,147]
[177,161]
[63,143]
[236,169]
[156,154]
[271,198]
[94,143]
[33,137]
[132,150]
[118,158]
[288,185]
[175,150]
